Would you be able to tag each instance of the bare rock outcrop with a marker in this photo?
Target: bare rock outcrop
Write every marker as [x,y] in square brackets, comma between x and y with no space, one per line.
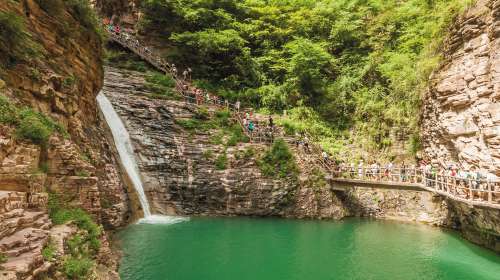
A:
[461,113]
[62,83]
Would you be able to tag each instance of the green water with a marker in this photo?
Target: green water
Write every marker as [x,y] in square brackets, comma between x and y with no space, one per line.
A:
[261,249]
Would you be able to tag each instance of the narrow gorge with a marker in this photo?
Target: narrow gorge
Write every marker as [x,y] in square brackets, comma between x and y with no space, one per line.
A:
[114,166]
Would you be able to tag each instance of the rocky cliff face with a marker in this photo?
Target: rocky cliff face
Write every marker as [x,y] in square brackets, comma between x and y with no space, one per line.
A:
[61,83]
[461,113]
[180,175]
[123,12]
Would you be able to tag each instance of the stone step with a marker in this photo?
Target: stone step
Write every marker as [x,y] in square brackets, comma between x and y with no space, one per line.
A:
[28,219]
[22,238]
[11,214]
[23,264]
[32,216]
[16,252]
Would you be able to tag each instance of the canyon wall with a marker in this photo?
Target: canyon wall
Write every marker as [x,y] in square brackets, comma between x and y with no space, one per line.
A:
[461,114]
[180,175]
[78,167]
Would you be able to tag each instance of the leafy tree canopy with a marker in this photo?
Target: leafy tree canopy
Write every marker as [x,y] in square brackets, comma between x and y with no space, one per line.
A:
[357,65]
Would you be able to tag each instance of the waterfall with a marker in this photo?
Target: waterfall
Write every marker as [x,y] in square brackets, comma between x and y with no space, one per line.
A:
[126,152]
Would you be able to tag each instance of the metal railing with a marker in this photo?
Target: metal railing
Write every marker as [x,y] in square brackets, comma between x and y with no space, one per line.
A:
[486,192]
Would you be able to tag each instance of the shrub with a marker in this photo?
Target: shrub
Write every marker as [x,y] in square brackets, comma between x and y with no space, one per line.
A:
[3,257]
[77,268]
[69,81]
[82,173]
[236,135]
[415,143]
[223,117]
[279,162]
[217,138]
[35,75]
[249,153]
[189,124]
[161,80]
[194,124]
[221,161]
[32,127]
[317,179]
[60,213]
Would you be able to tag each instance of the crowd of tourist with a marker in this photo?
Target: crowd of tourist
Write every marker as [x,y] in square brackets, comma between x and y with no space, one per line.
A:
[464,182]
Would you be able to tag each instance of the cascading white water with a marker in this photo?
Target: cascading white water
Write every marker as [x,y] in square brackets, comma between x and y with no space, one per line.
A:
[126,152]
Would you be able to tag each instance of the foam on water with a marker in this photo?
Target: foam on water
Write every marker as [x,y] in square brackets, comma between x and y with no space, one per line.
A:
[162,220]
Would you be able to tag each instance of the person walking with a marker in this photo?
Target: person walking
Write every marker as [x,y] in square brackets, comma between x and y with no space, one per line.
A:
[185,74]
[251,127]
[403,172]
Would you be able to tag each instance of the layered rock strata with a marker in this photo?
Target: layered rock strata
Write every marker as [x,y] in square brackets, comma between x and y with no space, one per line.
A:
[180,176]
[461,114]
[61,82]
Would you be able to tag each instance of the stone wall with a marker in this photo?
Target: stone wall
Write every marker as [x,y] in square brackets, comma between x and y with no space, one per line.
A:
[393,204]
[461,113]
[478,225]
[62,83]
[179,175]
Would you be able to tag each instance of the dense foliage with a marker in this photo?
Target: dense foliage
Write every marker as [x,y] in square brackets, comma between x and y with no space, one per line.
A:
[279,162]
[339,67]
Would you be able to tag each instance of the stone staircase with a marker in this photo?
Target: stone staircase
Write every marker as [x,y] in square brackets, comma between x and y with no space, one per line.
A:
[24,232]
